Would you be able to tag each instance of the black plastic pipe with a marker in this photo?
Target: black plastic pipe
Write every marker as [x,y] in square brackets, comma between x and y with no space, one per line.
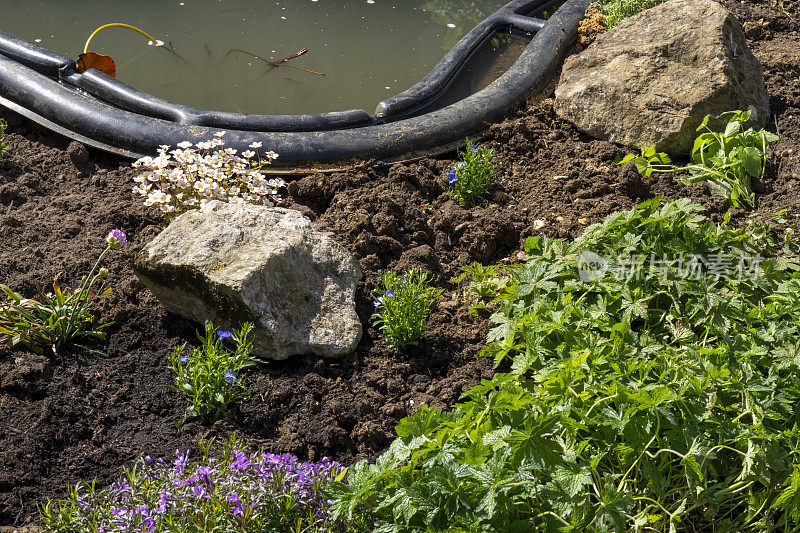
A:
[514,16]
[46,88]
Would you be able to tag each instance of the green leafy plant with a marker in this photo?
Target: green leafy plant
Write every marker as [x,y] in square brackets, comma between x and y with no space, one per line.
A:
[209,377]
[647,161]
[727,160]
[472,177]
[56,318]
[3,145]
[402,305]
[659,391]
[482,284]
[615,11]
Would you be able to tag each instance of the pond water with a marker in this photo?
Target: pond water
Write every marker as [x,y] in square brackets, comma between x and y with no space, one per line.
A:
[367,49]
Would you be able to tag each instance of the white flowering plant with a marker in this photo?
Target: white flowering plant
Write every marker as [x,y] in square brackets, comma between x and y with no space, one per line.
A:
[191,175]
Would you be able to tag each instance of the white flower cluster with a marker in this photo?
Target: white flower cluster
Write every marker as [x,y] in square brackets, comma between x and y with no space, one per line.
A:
[192,175]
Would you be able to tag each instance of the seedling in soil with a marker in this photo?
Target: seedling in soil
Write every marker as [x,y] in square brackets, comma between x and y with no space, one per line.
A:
[484,284]
[471,178]
[726,160]
[210,376]
[402,306]
[59,317]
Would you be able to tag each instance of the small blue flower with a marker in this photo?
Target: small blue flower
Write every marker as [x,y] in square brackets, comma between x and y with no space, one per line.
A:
[473,148]
[224,334]
[390,293]
[183,358]
[379,302]
[451,177]
[230,378]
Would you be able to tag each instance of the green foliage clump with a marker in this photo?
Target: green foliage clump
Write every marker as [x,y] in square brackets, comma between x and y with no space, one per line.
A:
[3,145]
[209,377]
[56,318]
[472,177]
[484,283]
[615,11]
[402,305]
[641,397]
[726,160]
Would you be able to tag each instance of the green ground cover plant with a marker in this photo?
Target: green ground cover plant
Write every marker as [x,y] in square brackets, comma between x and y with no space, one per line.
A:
[59,317]
[615,11]
[648,379]
[472,177]
[209,377]
[727,160]
[231,491]
[402,305]
[484,283]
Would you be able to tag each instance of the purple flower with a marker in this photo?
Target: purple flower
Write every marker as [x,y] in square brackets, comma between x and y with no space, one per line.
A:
[224,334]
[119,488]
[183,358]
[240,461]
[473,148]
[231,378]
[116,238]
[180,462]
[379,302]
[238,507]
[390,293]
[205,473]
[451,177]
[148,523]
[163,500]
[179,483]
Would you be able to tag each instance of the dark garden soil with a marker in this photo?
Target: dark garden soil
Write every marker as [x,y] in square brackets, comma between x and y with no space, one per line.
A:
[73,417]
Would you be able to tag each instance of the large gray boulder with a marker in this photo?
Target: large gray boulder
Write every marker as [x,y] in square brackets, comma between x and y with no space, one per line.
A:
[233,264]
[652,79]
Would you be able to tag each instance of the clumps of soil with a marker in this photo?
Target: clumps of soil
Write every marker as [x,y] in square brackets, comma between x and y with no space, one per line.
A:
[591,27]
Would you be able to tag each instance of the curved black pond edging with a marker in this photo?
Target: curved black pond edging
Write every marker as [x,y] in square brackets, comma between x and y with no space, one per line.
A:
[105,113]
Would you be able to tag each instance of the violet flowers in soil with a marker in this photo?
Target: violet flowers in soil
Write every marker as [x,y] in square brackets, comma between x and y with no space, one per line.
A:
[235,492]
[209,376]
[402,305]
[472,177]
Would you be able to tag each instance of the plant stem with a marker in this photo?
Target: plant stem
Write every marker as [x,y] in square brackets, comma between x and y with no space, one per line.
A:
[137,30]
